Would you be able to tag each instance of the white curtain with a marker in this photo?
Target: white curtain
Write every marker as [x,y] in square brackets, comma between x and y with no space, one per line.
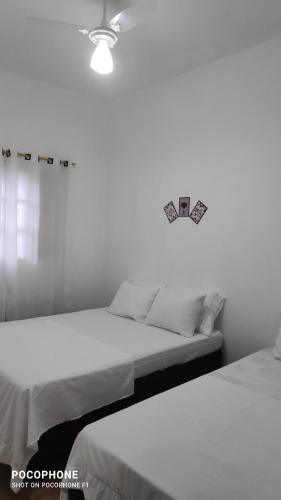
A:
[33,207]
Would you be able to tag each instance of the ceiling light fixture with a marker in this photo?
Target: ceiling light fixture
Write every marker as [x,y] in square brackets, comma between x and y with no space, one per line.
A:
[105,36]
[105,39]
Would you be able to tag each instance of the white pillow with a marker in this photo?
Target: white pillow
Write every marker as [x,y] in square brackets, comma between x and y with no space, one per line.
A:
[133,301]
[277,347]
[212,306]
[177,310]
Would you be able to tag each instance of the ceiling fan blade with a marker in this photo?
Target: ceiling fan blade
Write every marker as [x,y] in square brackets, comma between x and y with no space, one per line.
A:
[58,25]
[133,16]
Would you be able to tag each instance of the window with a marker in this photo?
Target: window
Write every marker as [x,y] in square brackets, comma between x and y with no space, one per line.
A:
[27,218]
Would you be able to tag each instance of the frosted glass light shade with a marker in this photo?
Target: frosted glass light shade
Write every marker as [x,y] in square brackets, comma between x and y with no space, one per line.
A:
[102,61]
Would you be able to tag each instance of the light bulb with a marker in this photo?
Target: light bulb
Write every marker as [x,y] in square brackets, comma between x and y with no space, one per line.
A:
[102,61]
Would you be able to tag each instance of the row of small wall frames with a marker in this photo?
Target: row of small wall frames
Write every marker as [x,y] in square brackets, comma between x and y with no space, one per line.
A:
[7,153]
[195,215]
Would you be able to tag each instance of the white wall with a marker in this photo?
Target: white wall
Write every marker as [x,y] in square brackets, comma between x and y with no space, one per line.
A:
[39,118]
[213,134]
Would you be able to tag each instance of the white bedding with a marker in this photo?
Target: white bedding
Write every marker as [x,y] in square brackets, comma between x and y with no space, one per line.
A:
[151,348]
[58,368]
[50,373]
[215,438]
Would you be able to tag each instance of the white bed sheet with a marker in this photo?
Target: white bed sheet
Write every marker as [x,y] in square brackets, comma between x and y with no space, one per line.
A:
[49,374]
[215,438]
[151,348]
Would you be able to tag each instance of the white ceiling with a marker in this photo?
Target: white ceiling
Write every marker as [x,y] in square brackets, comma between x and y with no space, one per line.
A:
[178,36]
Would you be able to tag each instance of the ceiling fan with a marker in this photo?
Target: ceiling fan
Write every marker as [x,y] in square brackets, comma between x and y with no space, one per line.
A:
[105,36]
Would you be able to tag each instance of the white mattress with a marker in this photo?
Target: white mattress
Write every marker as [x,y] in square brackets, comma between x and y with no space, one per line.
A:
[151,348]
[215,438]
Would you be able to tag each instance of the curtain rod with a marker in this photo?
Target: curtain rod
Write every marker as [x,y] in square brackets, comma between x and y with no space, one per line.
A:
[6,153]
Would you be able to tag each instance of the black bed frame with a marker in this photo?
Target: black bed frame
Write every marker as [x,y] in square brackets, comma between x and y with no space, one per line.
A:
[55,444]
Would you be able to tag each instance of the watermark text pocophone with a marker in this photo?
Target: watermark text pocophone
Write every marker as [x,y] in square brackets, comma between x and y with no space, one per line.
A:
[47,479]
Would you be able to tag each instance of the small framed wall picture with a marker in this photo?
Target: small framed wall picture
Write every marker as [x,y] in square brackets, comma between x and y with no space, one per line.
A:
[184,206]
[170,211]
[198,212]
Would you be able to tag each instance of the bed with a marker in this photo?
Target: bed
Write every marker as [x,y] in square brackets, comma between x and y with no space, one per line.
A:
[215,438]
[151,348]
[59,368]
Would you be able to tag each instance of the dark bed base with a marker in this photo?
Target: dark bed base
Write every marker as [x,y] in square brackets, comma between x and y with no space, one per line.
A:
[55,445]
